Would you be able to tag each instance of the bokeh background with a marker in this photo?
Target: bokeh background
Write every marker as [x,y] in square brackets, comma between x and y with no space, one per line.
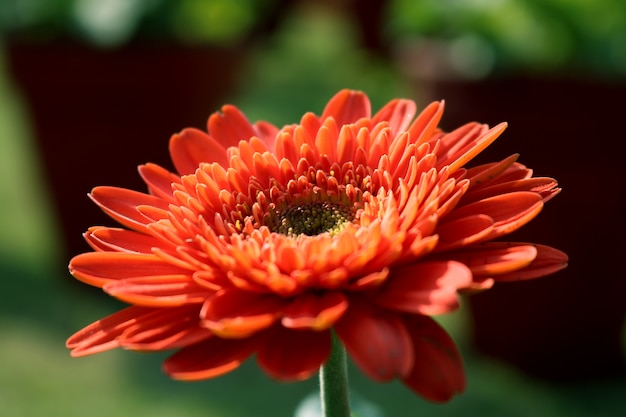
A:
[89,89]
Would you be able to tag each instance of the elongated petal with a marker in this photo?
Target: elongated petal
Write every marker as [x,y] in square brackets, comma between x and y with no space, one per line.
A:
[121,204]
[469,152]
[347,107]
[314,311]
[239,314]
[120,240]
[159,181]
[102,335]
[164,329]
[438,371]
[229,126]
[209,359]
[398,113]
[494,258]
[293,355]
[191,147]
[463,231]
[158,291]
[425,288]
[99,268]
[548,261]
[376,340]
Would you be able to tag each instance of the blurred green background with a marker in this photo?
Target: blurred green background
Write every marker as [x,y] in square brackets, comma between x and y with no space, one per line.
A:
[71,118]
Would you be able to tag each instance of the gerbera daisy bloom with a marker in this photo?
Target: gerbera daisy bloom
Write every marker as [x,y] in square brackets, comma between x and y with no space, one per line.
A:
[267,240]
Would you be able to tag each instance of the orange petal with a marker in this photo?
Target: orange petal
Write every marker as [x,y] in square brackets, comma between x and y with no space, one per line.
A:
[233,313]
[426,122]
[377,341]
[398,113]
[121,204]
[158,291]
[347,107]
[438,371]
[267,132]
[99,268]
[229,126]
[293,355]
[547,261]
[424,288]
[120,240]
[159,181]
[463,231]
[508,211]
[475,147]
[494,258]
[539,185]
[208,359]
[314,311]
[102,335]
[191,147]
[165,328]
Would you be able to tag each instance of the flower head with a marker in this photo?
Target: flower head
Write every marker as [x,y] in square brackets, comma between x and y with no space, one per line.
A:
[268,239]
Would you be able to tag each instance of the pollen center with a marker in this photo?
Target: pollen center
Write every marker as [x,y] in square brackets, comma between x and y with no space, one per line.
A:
[313,218]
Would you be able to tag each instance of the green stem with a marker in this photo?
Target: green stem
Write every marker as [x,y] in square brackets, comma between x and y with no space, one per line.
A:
[334,382]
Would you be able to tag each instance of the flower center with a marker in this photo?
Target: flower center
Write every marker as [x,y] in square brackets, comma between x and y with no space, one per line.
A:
[313,218]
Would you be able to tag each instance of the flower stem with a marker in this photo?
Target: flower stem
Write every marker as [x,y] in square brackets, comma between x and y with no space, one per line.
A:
[334,382]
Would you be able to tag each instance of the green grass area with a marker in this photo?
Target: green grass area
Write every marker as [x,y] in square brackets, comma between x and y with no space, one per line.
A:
[41,305]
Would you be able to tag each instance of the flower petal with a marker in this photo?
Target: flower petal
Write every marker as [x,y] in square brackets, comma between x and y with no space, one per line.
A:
[99,268]
[102,335]
[120,240]
[425,124]
[233,313]
[438,371]
[377,340]
[463,231]
[159,181]
[293,355]
[314,311]
[547,261]
[191,147]
[398,113]
[158,291]
[494,258]
[347,107]
[209,359]
[121,204]
[165,328]
[229,126]
[508,211]
[425,288]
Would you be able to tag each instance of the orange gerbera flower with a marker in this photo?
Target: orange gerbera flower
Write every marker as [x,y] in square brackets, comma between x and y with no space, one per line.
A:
[268,238]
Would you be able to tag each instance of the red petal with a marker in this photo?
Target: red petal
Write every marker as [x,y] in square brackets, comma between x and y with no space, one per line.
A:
[209,359]
[537,185]
[508,211]
[377,341]
[425,288]
[99,268]
[315,312]
[463,231]
[165,328]
[159,181]
[239,314]
[102,335]
[426,123]
[347,107]
[547,261]
[467,153]
[398,113]
[191,147]
[438,371]
[230,126]
[293,355]
[158,291]
[121,204]
[120,240]
[493,258]
[267,132]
